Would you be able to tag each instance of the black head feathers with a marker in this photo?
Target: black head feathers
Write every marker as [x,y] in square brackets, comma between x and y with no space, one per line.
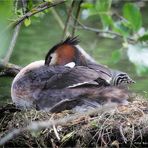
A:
[68,41]
[71,41]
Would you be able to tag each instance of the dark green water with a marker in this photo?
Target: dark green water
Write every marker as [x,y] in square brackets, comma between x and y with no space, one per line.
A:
[34,41]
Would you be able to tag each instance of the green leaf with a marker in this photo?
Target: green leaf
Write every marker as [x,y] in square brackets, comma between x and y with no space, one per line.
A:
[68,136]
[27,22]
[143,38]
[106,21]
[103,5]
[103,8]
[87,5]
[132,13]
[116,55]
[93,11]
[94,124]
[29,5]
[19,13]
[48,0]
[121,28]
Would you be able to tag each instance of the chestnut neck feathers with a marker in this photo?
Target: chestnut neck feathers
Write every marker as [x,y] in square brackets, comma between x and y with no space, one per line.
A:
[65,52]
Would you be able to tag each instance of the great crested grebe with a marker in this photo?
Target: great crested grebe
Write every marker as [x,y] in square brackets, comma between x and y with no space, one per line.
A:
[65,80]
[67,51]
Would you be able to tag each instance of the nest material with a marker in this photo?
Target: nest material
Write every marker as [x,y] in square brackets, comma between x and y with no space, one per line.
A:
[127,126]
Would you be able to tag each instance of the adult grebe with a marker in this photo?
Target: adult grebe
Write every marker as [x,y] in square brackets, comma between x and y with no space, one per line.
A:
[67,51]
[60,87]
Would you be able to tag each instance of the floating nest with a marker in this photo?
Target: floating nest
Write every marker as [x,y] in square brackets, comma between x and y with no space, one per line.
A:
[125,126]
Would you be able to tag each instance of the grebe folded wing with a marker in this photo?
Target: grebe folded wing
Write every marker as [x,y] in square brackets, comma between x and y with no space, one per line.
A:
[27,86]
[68,77]
[104,71]
[83,97]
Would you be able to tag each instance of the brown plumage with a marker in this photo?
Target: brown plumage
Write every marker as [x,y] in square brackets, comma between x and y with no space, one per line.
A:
[59,55]
[67,51]
[52,86]
[47,87]
[84,97]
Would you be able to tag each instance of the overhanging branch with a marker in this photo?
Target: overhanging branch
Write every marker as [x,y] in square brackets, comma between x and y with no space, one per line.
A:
[9,69]
[41,7]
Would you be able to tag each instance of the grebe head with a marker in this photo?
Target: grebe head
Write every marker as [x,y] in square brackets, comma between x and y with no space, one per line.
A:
[65,52]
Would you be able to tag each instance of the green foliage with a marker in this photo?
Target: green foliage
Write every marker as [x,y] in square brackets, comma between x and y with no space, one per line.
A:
[130,22]
[68,136]
[29,5]
[94,124]
[27,22]
[133,15]
[101,8]
[87,5]
[125,23]
[121,28]
[103,5]
[143,37]
[48,0]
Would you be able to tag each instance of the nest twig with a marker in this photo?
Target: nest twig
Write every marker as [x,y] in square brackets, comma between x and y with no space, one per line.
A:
[126,127]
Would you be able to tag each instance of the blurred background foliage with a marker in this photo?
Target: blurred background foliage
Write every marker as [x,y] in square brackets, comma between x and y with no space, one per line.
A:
[114,32]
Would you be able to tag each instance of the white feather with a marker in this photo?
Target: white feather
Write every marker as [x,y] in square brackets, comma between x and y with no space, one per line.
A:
[70,65]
